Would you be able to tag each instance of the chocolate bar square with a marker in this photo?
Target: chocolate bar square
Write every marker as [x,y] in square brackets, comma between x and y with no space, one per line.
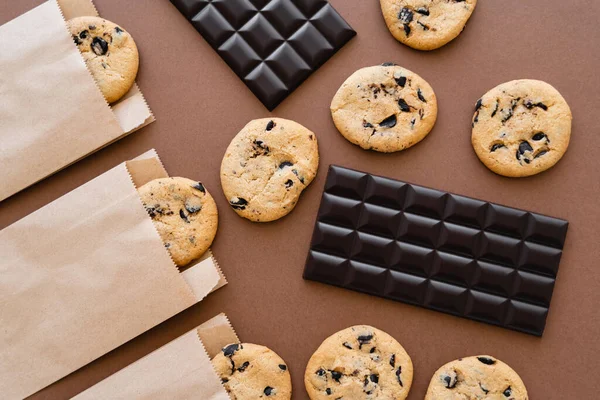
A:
[437,250]
[272,45]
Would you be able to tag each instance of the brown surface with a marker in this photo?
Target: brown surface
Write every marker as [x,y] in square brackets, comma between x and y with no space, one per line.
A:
[200,105]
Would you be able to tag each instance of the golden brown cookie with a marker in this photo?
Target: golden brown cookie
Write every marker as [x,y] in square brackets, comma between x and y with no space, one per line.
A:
[249,372]
[384,108]
[426,24]
[109,53]
[521,128]
[360,362]
[480,377]
[184,214]
[267,166]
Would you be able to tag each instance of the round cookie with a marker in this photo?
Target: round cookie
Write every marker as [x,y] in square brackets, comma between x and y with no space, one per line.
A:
[426,24]
[521,128]
[184,214]
[109,53]
[360,362]
[384,108]
[267,166]
[480,377]
[249,372]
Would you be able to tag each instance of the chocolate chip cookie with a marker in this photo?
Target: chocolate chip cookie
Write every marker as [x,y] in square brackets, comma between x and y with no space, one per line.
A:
[384,108]
[426,24]
[480,377]
[267,166]
[521,128]
[360,362]
[184,214]
[250,372]
[109,53]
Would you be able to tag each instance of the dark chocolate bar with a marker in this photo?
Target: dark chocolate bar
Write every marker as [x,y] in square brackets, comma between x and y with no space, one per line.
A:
[438,250]
[272,45]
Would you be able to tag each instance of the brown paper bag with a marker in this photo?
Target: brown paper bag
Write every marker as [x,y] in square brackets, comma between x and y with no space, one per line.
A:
[51,111]
[85,274]
[180,370]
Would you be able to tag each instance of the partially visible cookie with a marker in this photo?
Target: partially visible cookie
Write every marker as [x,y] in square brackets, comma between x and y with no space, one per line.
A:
[521,128]
[426,24]
[384,108]
[249,372]
[267,166]
[360,362]
[109,53]
[184,214]
[480,377]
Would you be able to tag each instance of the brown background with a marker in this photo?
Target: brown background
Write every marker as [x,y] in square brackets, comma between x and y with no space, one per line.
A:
[200,105]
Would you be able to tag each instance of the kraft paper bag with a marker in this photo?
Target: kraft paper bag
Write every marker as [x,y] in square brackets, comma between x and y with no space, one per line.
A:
[180,370]
[85,274]
[51,111]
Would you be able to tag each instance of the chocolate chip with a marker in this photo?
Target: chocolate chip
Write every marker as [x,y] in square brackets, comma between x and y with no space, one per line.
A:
[393,360]
[259,144]
[285,164]
[388,64]
[199,186]
[83,34]
[99,46]
[422,25]
[529,105]
[282,367]
[539,136]
[367,124]
[364,339]
[230,350]
[496,146]
[289,183]
[398,372]
[268,391]
[76,39]
[91,27]
[238,203]
[183,216]
[373,349]
[301,179]
[374,378]
[328,391]
[541,153]
[389,122]
[507,392]
[104,65]
[486,360]
[407,29]
[347,345]
[118,30]
[404,107]
[336,375]
[192,209]
[495,109]
[270,125]
[412,123]
[420,95]
[484,389]
[423,11]
[401,81]
[405,15]
[320,372]
[224,380]
[478,105]
[450,380]
[244,366]
[524,147]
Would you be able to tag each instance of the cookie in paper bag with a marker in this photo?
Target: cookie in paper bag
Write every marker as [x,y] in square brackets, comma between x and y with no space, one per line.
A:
[109,52]
[184,214]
